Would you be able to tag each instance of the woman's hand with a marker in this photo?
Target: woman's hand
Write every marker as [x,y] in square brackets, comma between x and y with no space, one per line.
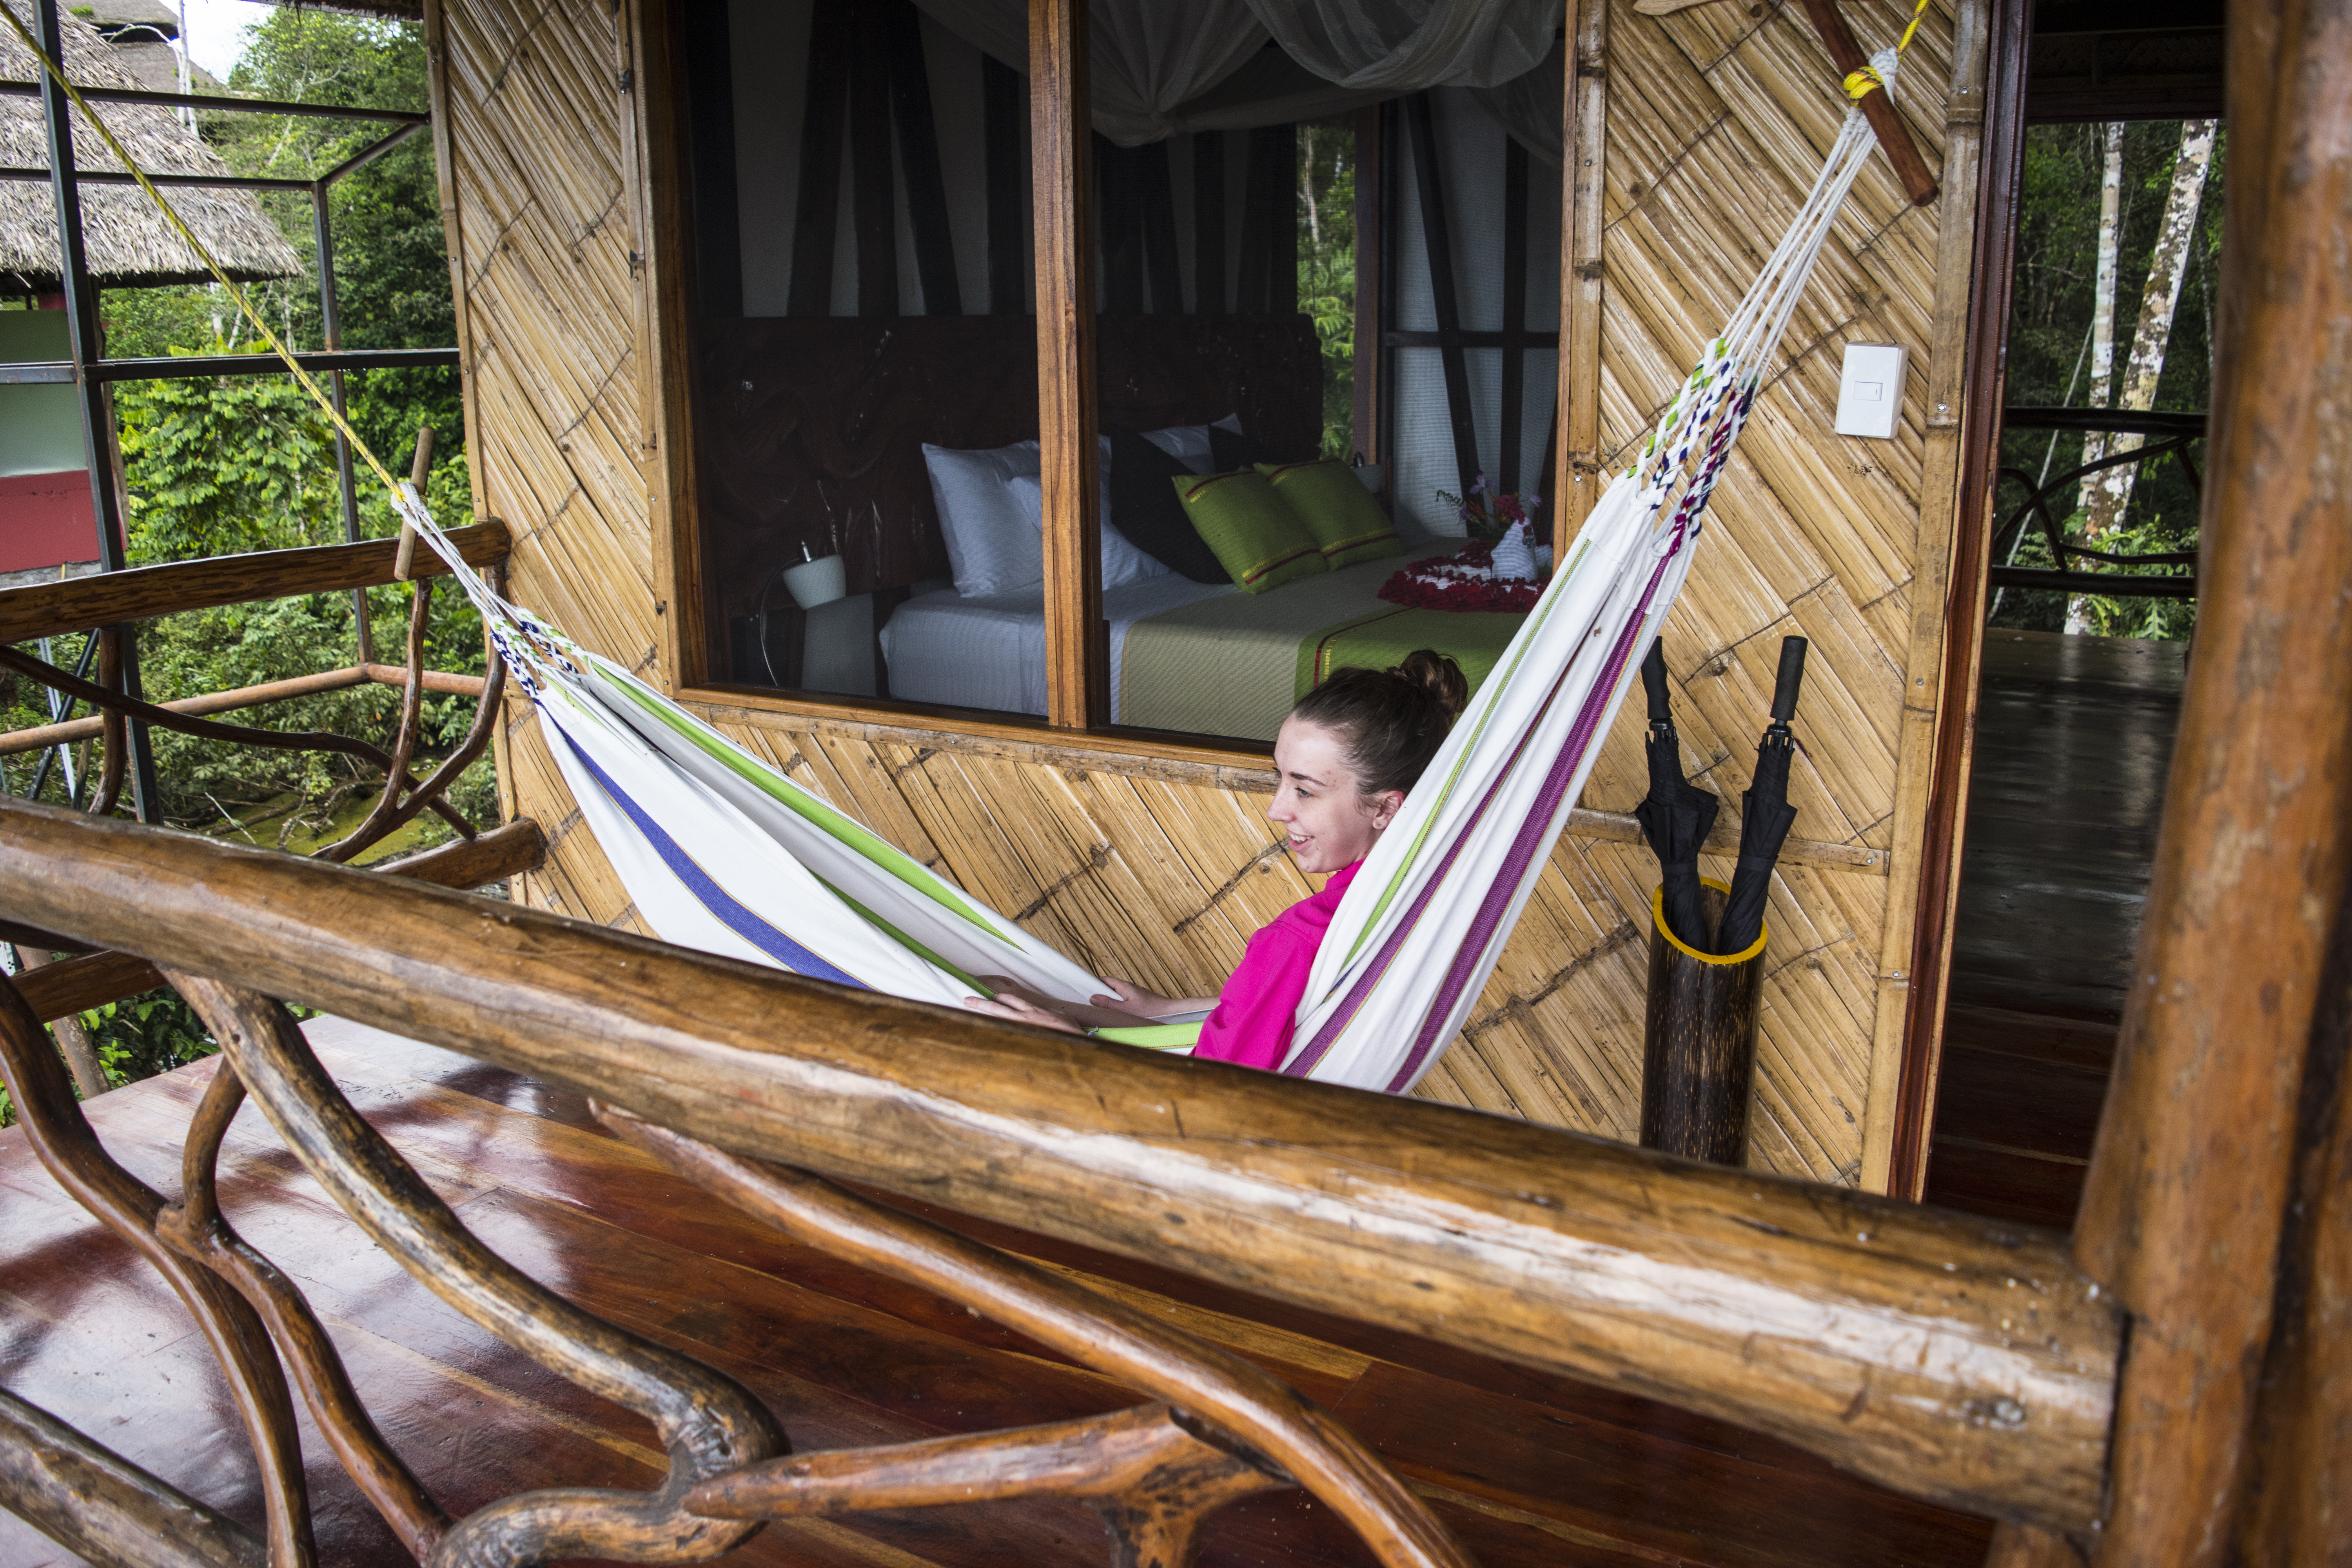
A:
[1144,1004]
[1008,1005]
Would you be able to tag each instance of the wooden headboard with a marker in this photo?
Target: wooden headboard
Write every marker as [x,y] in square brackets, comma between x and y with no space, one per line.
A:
[812,428]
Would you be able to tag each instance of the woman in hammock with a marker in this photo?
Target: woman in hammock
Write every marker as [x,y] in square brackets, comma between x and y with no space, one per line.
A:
[1343,762]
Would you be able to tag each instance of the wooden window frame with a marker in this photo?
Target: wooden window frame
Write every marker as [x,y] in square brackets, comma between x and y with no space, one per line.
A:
[1075,727]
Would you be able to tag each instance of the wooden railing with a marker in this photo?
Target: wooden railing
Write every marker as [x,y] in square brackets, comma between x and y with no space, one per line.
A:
[1954,1358]
[2169,434]
[108,600]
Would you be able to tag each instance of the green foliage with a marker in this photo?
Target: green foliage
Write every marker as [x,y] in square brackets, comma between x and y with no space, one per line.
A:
[2052,303]
[223,465]
[142,1036]
[1327,268]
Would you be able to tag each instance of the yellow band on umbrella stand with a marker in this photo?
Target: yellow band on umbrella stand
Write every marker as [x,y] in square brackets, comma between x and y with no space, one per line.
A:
[1658,916]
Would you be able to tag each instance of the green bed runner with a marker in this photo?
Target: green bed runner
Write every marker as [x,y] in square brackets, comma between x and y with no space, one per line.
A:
[1476,640]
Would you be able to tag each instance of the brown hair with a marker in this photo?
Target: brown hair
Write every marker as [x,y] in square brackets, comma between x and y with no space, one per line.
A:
[1390,722]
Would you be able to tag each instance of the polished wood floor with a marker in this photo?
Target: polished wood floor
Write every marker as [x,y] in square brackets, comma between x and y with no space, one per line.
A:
[1530,1469]
[2074,738]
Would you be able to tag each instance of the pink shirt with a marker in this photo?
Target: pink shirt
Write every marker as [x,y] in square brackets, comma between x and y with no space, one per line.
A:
[1259,1007]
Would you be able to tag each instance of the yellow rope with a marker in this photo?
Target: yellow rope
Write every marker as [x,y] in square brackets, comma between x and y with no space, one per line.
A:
[1861,82]
[301,376]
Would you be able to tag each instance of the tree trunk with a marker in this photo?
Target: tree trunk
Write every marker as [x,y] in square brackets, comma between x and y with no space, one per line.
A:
[73,1041]
[2103,331]
[2166,267]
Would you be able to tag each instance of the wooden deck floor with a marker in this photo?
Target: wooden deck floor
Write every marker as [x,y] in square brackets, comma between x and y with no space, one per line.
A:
[1530,1469]
[2073,736]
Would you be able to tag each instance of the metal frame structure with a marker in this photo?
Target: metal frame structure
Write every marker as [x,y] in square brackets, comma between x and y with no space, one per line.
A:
[91,371]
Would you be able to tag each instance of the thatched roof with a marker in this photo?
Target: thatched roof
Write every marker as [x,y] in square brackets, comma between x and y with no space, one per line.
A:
[128,241]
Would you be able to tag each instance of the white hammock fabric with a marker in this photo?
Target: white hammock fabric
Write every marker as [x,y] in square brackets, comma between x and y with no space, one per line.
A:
[723,853]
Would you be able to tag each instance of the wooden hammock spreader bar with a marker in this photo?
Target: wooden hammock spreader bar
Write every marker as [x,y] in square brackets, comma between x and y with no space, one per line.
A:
[78,603]
[16,742]
[1894,136]
[93,979]
[1953,1358]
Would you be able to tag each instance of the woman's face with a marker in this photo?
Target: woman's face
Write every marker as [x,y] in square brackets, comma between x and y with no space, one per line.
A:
[1330,824]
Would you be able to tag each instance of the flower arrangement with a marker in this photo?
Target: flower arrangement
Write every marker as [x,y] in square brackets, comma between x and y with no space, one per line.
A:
[1487,513]
[1465,580]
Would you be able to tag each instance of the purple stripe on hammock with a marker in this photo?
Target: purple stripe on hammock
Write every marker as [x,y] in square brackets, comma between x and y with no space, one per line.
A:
[1303,1062]
[1468,957]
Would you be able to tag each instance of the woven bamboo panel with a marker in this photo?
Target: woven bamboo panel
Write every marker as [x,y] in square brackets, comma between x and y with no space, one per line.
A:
[1717,122]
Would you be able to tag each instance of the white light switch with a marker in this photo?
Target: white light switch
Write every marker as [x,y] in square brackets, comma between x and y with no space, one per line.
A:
[1870,392]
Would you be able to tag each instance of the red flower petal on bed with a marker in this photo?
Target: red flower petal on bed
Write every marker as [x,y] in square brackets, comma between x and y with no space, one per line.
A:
[1462,581]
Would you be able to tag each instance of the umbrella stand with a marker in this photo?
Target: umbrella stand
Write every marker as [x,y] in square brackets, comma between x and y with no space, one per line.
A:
[1698,1046]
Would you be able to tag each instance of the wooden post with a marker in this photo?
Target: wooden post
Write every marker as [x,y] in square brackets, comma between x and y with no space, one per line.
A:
[2191,1179]
[1061,128]
[1984,143]
[1370,250]
[1584,136]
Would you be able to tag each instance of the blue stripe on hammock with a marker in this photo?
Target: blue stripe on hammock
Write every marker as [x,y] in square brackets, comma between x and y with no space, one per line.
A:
[733,915]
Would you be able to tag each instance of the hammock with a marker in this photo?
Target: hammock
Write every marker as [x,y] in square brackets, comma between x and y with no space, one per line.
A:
[723,853]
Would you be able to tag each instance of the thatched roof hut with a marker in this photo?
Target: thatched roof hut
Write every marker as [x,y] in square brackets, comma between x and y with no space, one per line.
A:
[130,244]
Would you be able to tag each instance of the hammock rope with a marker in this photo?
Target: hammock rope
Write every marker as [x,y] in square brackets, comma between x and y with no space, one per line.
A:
[723,852]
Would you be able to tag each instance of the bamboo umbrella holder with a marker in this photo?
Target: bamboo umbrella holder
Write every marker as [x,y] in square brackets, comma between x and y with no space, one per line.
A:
[1698,1047]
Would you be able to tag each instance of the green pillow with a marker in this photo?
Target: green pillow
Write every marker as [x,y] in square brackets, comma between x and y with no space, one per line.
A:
[1257,537]
[1345,519]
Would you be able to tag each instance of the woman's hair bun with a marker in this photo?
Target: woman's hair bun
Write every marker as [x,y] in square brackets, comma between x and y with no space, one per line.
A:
[1438,675]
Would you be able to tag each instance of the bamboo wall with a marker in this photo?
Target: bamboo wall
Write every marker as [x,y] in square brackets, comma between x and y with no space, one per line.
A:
[1159,872]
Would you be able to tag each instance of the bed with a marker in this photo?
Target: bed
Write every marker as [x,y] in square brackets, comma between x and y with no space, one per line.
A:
[1198,657]
[810,437]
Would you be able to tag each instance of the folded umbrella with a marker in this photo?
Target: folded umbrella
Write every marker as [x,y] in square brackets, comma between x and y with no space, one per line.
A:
[1676,815]
[1766,813]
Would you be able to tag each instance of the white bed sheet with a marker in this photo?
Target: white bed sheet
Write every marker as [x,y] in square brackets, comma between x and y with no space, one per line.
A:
[990,651]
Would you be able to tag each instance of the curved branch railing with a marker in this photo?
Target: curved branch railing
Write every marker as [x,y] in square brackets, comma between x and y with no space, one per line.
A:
[1956,1359]
[2170,435]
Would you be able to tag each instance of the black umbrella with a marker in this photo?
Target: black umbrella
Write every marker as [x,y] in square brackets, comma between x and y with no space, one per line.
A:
[1766,813]
[1676,815]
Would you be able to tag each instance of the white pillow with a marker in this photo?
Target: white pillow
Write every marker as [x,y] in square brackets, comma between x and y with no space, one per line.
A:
[1188,444]
[991,547]
[1121,563]
[1231,422]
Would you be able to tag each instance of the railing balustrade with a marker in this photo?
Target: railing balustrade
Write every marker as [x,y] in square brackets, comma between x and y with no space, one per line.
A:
[2171,435]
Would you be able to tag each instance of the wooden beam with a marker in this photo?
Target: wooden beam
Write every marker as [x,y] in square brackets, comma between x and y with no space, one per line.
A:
[1956,1359]
[1886,121]
[873,196]
[1281,220]
[708,116]
[1438,245]
[78,603]
[1583,223]
[1250,288]
[1004,120]
[1515,313]
[1209,222]
[76,985]
[918,159]
[99,1505]
[2194,1171]
[1118,228]
[1155,201]
[658,180]
[1369,253]
[817,204]
[1061,134]
[1984,144]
